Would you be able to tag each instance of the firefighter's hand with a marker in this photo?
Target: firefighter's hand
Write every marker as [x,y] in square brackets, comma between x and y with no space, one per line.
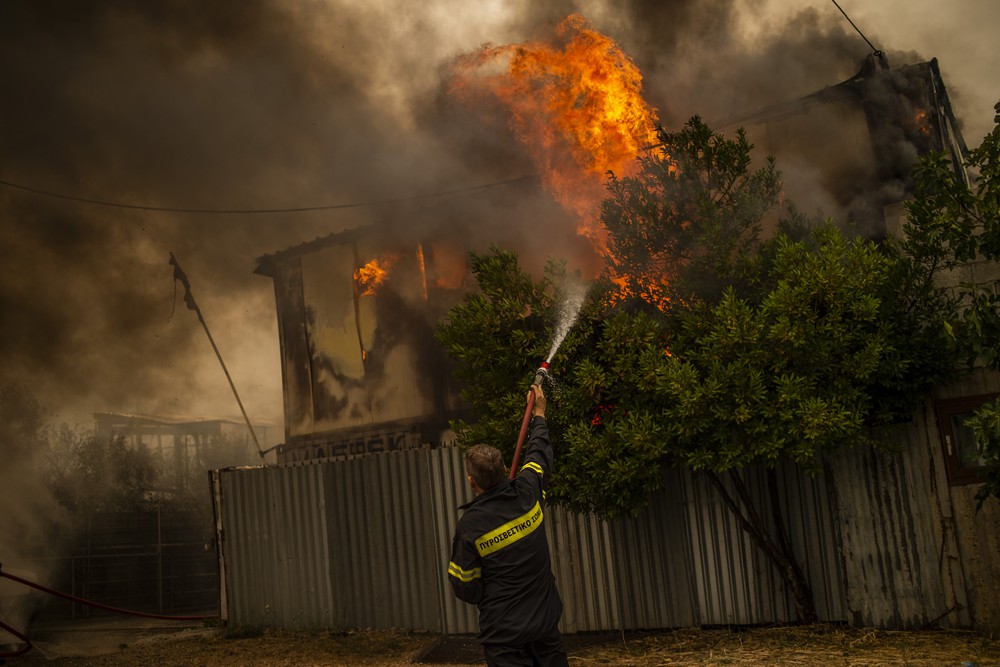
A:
[539,408]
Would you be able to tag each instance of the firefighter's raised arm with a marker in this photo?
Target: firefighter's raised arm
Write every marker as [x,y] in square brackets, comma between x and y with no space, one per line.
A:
[538,453]
[539,409]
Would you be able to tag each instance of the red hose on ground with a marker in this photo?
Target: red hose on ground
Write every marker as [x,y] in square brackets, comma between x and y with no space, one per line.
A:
[90,603]
[118,610]
[20,651]
[73,598]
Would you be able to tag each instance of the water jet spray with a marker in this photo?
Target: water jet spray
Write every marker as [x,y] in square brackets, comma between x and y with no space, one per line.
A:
[569,310]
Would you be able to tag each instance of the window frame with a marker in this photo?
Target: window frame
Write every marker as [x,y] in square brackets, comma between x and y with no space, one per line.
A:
[945,410]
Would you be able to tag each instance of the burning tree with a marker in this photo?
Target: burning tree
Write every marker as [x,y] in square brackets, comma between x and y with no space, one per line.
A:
[706,343]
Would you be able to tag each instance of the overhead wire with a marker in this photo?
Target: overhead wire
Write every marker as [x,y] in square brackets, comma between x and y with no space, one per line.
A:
[252,211]
[878,52]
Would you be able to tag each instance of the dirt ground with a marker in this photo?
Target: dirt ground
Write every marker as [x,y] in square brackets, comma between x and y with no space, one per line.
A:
[114,644]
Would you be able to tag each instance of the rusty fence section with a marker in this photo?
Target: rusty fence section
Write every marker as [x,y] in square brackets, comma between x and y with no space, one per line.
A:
[885,540]
[365,542]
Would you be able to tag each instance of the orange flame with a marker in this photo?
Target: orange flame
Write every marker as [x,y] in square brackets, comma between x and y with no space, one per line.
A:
[423,270]
[650,291]
[369,277]
[923,122]
[577,105]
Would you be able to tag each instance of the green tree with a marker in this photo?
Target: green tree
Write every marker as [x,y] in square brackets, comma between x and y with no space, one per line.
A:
[954,224]
[706,343]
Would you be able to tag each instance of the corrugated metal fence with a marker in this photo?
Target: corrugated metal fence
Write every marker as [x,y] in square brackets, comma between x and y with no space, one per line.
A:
[365,542]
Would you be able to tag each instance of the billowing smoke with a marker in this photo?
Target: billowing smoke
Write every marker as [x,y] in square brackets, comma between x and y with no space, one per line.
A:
[31,514]
[269,105]
[238,105]
[711,59]
[262,104]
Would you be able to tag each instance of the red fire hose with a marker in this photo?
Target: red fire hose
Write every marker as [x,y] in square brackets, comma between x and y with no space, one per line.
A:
[90,603]
[543,370]
[21,651]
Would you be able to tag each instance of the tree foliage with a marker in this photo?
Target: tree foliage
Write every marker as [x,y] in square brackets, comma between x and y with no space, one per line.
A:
[725,348]
[497,337]
[689,222]
[717,337]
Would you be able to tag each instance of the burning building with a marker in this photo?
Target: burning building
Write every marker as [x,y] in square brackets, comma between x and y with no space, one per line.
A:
[356,313]
[847,150]
[357,309]
[889,541]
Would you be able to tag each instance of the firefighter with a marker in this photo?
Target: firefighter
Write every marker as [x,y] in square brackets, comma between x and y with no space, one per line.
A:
[500,555]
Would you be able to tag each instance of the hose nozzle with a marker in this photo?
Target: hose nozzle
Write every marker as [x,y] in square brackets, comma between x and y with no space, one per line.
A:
[540,374]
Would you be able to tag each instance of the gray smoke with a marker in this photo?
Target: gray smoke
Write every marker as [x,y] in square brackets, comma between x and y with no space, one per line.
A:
[264,104]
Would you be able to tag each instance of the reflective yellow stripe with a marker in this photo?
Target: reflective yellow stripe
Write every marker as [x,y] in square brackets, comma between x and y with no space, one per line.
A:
[510,532]
[531,465]
[464,575]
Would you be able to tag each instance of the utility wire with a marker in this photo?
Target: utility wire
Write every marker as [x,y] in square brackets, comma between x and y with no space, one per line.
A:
[250,211]
[878,52]
[179,275]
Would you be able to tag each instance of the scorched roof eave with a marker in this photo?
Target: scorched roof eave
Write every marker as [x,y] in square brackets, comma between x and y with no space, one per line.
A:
[266,263]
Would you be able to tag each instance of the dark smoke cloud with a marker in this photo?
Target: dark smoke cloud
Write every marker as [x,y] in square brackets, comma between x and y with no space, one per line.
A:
[699,57]
[718,59]
[183,104]
[270,104]
[265,104]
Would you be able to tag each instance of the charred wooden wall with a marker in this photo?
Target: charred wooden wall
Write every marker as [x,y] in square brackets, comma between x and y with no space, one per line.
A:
[362,366]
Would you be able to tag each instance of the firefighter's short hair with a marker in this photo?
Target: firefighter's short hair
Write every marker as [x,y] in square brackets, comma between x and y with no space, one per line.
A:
[485,465]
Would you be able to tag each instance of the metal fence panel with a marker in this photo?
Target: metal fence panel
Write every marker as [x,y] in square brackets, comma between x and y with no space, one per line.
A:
[895,513]
[450,489]
[154,561]
[584,571]
[652,556]
[398,527]
[273,525]
[365,542]
[736,584]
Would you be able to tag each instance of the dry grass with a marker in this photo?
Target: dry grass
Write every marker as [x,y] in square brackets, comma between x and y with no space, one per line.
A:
[812,646]
[815,645]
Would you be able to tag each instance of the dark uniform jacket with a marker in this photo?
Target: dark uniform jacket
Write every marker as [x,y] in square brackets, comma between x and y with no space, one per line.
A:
[500,555]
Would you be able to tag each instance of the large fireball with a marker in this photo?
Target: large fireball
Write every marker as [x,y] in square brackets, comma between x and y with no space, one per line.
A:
[576,105]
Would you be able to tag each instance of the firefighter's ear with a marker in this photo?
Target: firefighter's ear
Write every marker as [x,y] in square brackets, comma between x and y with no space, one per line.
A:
[472,483]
